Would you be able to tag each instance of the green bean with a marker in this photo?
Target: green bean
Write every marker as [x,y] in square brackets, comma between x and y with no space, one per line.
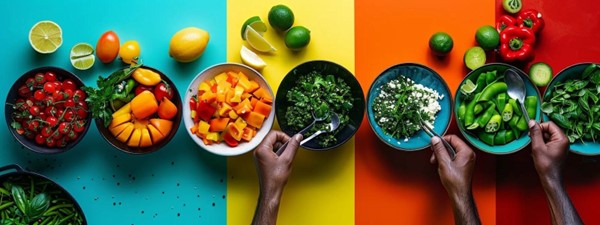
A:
[531,106]
[470,113]
[57,207]
[6,205]
[507,112]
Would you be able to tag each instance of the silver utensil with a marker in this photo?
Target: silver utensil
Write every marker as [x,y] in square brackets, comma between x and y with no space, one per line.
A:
[516,89]
[333,125]
[303,131]
[429,130]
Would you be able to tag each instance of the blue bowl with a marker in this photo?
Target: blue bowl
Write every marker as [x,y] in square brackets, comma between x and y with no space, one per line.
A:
[574,71]
[515,145]
[421,75]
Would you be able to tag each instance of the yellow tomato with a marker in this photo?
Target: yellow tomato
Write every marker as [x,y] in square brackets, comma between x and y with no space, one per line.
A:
[129,51]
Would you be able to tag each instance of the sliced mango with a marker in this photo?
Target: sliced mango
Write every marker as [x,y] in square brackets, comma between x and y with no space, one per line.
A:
[134,140]
[124,136]
[155,134]
[146,140]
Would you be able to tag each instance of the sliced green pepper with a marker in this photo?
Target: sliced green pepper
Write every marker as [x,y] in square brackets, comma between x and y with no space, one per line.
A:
[500,138]
[516,132]
[515,107]
[470,113]
[507,112]
[492,90]
[510,136]
[522,124]
[487,115]
[531,106]
[494,124]
[490,77]
[480,83]
[501,101]
[462,109]
[478,108]
[487,138]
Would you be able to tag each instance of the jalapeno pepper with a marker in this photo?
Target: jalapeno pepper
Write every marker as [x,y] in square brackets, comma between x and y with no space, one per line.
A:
[490,77]
[531,106]
[522,124]
[470,113]
[501,101]
[531,19]
[478,108]
[494,124]
[515,107]
[506,21]
[491,91]
[487,115]
[462,109]
[507,112]
[500,138]
[510,136]
[480,83]
[487,138]
[516,44]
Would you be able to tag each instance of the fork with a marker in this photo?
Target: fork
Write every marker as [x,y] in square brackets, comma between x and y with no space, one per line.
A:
[429,130]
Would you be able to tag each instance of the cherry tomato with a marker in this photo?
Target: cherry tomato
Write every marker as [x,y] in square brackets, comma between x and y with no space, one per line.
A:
[51,121]
[58,95]
[51,143]
[50,76]
[64,128]
[50,111]
[48,101]
[43,115]
[68,84]
[72,135]
[30,82]
[163,90]
[56,135]
[24,91]
[82,105]
[60,112]
[33,125]
[58,85]
[34,110]
[81,113]
[47,131]
[78,95]
[29,135]
[68,93]
[39,139]
[39,78]
[39,95]
[79,126]
[141,88]
[107,48]
[69,103]
[62,142]
[49,87]
[129,51]
[69,115]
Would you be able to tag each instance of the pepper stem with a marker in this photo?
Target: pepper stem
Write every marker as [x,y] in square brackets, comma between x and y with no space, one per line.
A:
[528,22]
[515,44]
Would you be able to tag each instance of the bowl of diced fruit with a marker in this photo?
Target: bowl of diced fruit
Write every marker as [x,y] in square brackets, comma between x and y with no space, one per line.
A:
[229,109]
[46,110]
[137,109]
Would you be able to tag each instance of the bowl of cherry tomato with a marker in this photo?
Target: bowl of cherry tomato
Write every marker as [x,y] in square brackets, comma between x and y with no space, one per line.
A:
[143,110]
[46,110]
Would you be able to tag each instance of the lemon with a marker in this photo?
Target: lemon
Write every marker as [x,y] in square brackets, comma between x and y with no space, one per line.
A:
[256,41]
[256,23]
[82,56]
[297,38]
[281,17]
[188,44]
[251,59]
[45,37]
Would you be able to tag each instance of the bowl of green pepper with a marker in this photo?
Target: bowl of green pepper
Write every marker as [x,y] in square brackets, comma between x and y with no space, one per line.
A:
[320,87]
[487,117]
[571,101]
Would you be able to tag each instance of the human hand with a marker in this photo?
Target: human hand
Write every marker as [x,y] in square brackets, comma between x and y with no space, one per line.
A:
[549,147]
[455,175]
[273,171]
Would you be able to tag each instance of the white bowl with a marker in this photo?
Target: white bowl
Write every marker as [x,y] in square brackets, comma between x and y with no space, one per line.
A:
[222,148]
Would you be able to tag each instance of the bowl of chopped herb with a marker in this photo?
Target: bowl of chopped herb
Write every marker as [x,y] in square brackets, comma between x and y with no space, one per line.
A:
[571,101]
[396,99]
[320,87]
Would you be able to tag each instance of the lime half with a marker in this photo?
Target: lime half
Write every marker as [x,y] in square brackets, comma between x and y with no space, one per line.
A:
[257,41]
[474,58]
[468,87]
[256,23]
[82,56]
[45,37]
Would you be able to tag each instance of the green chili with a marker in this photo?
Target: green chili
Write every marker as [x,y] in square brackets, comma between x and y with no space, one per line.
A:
[522,124]
[470,113]
[492,90]
[500,138]
[478,108]
[490,77]
[480,83]
[507,112]
[487,138]
[487,115]
[462,109]
[515,107]
[510,136]
[531,106]
[494,124]
[501,101]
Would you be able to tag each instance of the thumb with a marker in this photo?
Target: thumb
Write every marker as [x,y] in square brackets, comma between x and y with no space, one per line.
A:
[292,147]
[439,150]
[537,138]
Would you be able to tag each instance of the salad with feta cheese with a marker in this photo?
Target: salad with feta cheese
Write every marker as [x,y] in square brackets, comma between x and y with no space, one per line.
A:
[399,104]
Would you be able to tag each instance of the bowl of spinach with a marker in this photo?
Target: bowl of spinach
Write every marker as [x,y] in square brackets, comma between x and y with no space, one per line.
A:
[572,101]
[320,87]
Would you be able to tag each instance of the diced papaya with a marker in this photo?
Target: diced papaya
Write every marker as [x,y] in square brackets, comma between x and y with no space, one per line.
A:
[253,102]
[244,107]
[224,109]
[164,126]
[223,87]
[218,124]
[134,140]
[155,134]
[237,94]
[244,83]
[146,140]
[267,99]
[263,94]
[221,97]
[204,86]
[233,78]
[247,135]
[255,119]
[208,97]
[213,136]
[263,108]
[242,75]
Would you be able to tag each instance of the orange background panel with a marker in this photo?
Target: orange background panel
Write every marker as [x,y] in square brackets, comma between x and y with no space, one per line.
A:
[396,187]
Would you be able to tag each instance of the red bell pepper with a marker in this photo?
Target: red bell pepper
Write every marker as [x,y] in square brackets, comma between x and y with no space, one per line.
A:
[229,140]
[532,19]
[505,21]
[205,111]
[193,101]
[516,44]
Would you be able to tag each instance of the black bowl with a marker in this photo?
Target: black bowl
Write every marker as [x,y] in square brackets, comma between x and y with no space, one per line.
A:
[136,151]
[12,96]
[20,174]
[324,67]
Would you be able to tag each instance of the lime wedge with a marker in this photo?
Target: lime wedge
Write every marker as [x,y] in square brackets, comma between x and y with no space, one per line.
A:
[82,56]
[252,59]
[256,23]
[257,41]
[45,37]
[468,87]
[475,57]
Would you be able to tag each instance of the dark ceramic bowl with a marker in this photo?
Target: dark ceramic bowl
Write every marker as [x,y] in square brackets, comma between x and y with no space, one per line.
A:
[324,67]
[156,146]
[11,99]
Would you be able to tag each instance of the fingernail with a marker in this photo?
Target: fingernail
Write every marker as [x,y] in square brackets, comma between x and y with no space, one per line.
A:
[435,140]
[298,137]
[532,123]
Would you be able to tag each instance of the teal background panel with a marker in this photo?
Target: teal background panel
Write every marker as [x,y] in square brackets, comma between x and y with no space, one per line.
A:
[179,184]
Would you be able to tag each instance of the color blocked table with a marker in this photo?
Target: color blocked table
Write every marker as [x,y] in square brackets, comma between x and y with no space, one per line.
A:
[362,182]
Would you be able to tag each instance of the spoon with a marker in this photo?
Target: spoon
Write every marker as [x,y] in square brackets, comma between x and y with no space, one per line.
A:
[333,125]
[516,89]
[303,131]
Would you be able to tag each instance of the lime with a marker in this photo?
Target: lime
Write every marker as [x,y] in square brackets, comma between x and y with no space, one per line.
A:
[45,37]
[487,37]
[441,43]
[251,59]
[256,23]
[281,17]
[297,38]
[474,57]
[82,56]
[257,41]
[468,87]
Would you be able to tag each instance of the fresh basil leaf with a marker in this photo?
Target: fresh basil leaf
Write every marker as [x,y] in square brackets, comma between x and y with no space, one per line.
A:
[584,105]
[38,205]
[547,107]
[596,77]
[587,72]
[20,199]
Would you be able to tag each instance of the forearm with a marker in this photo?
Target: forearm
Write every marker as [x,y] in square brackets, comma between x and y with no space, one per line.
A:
[561,207]
[267,208]
[465,211]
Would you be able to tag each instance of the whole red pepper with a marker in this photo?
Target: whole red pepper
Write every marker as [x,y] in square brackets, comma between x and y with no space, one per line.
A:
[516,44]
[532,19]
[505,21]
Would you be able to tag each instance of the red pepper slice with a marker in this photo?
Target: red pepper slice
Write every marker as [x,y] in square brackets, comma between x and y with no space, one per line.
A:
[229,140]
[205,111]
[505,21]
[193,102]
[516,44]
[532,19]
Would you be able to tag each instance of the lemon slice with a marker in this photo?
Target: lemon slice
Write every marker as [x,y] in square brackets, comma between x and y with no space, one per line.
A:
[82,56]
[256,23]
[45,37]
[252,59]
[257,41]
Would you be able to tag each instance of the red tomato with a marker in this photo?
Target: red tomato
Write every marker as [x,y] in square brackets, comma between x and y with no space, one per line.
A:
[49,87]
[57,95]
[39,139]
[64,128]
[163,90]
[50,76]
[108,46]
[141,88]
[39,95]
[24,91]
[39,78]
[69,103]
[51,143]
[68,84]
[79,95]
[34,110]
[47,131]
[79,126]
[51,121]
